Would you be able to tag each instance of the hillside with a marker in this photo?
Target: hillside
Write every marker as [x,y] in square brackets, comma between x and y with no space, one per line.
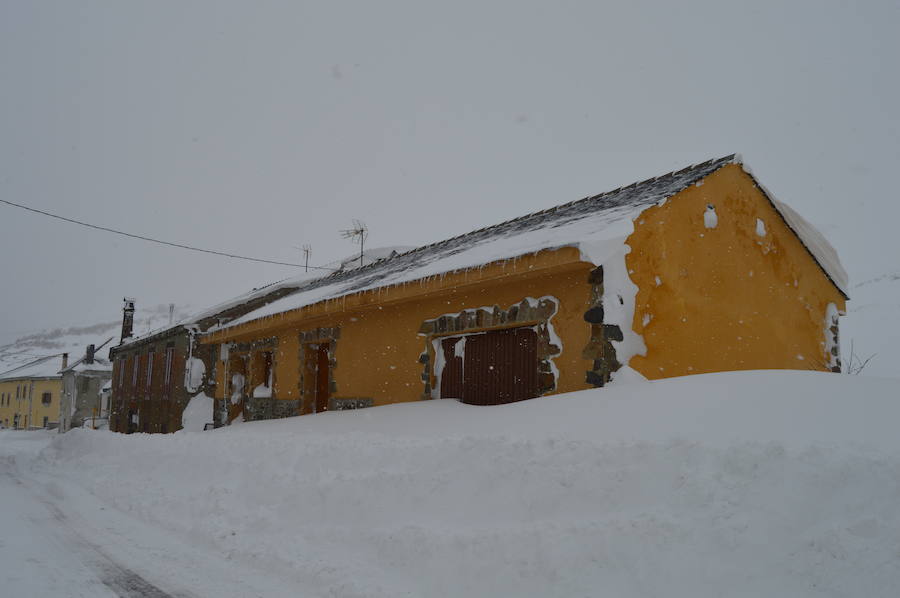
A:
[74,339]
[740,484]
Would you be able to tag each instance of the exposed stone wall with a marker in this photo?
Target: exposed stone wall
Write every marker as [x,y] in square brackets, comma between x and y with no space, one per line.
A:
[833,343]
[600,349]
[252,408]
[536,313]
[349,403]
[158,407]
[256,408]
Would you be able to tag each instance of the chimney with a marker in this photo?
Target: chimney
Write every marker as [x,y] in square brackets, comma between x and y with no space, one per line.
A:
[65,361]
[171,313]
[89,354]
[127,318]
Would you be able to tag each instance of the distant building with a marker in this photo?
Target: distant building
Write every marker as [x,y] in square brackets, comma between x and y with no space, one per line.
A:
[155,375]
[82,382]
[30,394]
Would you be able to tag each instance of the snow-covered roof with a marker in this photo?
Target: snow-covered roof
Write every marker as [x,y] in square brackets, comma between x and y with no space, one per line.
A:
[98,364]
[588,224]
[370,256]
[826,255]
[275,289]
[256,294]
[43,367]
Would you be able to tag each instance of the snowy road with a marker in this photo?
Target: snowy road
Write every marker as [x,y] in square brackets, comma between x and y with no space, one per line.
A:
[43,554]
[58,540]
[37,561]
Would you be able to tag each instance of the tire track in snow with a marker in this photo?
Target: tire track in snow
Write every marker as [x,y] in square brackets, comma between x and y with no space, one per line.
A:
[125,582]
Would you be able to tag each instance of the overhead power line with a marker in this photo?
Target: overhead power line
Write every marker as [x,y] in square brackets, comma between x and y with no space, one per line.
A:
[161,242]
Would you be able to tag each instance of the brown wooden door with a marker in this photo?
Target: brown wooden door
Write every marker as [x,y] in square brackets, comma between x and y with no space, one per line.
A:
[323,378]
[494,367]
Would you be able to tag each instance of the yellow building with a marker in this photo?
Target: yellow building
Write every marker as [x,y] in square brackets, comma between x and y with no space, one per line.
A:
[30,394]
[699,270]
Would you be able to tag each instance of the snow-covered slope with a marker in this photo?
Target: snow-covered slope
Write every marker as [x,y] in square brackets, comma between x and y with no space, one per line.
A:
[743,484]
[871,327]
[74,339]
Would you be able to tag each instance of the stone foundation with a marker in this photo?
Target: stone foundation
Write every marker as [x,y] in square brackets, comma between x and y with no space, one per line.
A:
[269,408]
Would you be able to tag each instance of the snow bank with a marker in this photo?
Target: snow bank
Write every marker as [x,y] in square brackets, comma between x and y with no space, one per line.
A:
[197,413]
[741,484]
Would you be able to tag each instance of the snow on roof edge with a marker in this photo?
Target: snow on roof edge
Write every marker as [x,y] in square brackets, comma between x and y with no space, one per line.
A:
[695,172]
[815,243]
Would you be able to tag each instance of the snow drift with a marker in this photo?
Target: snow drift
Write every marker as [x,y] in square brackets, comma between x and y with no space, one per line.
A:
[739,484]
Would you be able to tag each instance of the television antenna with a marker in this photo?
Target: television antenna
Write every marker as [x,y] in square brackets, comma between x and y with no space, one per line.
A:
[305,250]
[357,234]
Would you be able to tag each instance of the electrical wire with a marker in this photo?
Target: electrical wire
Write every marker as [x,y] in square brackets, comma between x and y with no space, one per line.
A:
[161,242]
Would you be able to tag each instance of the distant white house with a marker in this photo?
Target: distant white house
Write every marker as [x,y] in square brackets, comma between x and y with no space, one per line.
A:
[82,386]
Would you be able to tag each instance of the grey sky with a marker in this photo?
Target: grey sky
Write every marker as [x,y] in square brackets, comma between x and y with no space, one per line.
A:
[254,126]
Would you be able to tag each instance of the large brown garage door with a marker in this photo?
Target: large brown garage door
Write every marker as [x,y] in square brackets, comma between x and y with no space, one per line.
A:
[491,368]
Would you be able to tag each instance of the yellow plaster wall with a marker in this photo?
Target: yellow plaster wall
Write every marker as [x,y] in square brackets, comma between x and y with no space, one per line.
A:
[382,346]
[726,298]
[38,411]
[377,354]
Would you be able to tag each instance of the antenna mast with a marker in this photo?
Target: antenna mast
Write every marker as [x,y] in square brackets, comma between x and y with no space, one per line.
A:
[358,233]
[305,251]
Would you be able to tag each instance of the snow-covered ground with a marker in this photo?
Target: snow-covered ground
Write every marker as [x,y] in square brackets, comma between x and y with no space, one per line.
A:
[872,325]
[742,484]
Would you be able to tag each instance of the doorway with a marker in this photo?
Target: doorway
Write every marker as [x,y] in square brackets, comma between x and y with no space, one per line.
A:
[490,368]
[317,377]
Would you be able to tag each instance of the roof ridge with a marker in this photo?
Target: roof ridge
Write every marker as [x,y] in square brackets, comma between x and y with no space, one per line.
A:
[728,159]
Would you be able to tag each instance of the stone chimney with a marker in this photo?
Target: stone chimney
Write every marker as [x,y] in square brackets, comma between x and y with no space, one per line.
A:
[127,318]
[89,354]
[65,361]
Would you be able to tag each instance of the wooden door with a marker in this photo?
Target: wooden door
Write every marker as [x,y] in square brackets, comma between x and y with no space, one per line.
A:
[491,368]
[323,378]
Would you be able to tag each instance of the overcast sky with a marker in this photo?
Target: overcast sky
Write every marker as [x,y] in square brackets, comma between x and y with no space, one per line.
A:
[252,127]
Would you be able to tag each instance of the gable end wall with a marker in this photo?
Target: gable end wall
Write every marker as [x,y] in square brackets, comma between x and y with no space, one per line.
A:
[725,298]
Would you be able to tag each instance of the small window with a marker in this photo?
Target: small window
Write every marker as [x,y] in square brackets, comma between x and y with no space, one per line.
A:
[46,421]
[134,370]
[121,372]
[150,357]
[46,399]
[167,376]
